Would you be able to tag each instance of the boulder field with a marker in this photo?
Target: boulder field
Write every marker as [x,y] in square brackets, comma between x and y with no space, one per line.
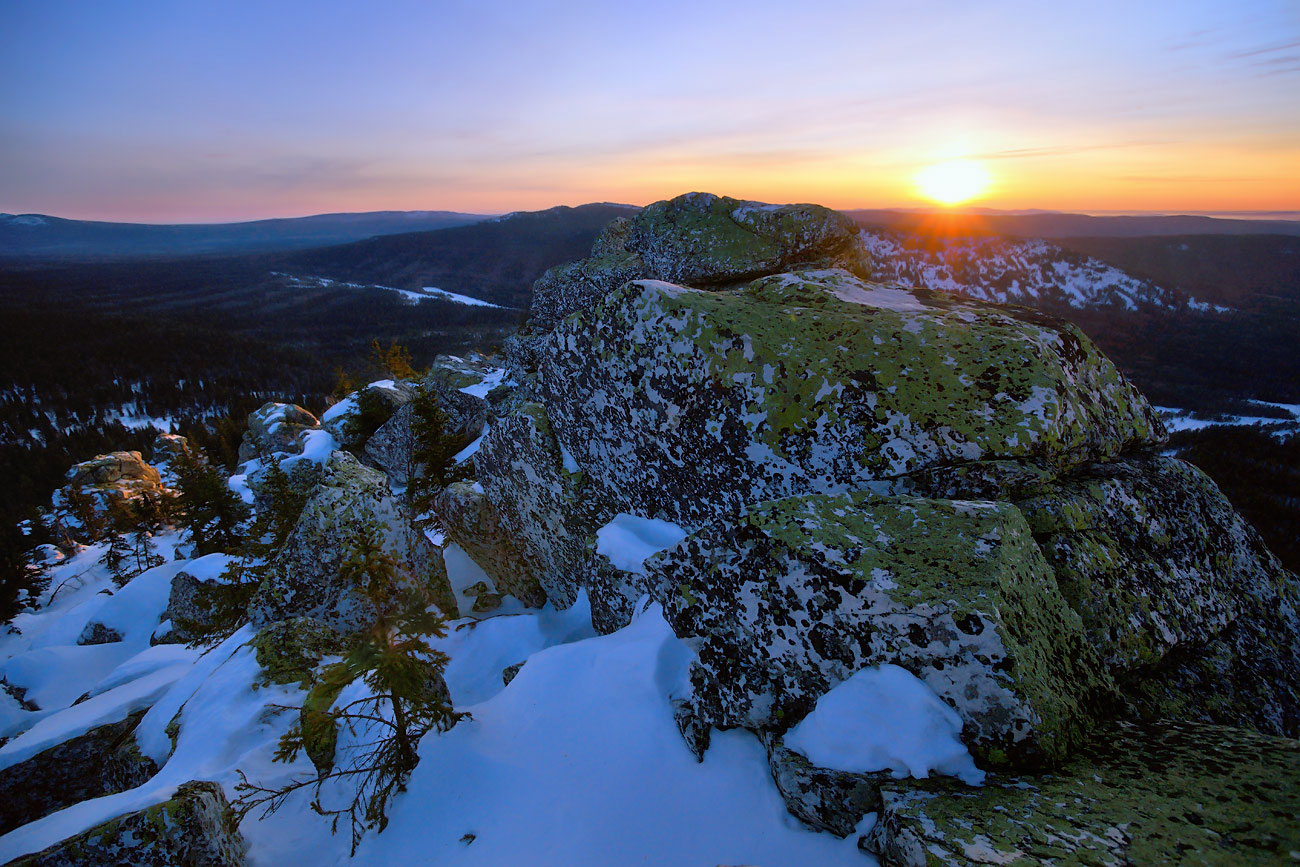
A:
[866,473]
[818,476]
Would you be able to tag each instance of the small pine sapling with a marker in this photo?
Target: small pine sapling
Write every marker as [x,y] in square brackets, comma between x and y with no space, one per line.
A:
[407,699]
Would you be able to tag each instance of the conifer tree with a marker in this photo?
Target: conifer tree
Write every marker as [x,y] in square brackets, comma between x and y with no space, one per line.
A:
[407,699]
[396,359]
[116,556]
[208,508]
[432,450]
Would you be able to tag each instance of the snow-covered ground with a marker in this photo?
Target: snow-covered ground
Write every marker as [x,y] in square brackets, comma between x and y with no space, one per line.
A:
[428,293]
[1176,419]
[577,761]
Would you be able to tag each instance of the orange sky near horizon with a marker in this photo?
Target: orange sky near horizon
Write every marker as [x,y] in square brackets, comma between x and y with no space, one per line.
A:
[207,112]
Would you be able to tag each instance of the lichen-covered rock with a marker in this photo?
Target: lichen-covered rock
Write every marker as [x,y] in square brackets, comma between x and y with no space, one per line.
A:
[306,578]
[1173,793]
[195,828]
[274,428]
[793,596]
[392,446]
[1188,608]
[703,239]
[289,650]
[536,501]
[472,523]
[823,799]
[685,404]
[103,761]
[190,610]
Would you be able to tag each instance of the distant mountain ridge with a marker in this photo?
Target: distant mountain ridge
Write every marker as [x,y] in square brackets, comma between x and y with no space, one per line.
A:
[44,237]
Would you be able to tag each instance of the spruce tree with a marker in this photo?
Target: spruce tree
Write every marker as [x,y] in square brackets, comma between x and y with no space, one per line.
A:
[116,556]
[208,508]
[407,699]
[432,450]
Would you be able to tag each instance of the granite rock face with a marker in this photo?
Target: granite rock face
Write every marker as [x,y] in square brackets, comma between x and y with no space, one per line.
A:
[471,523]
[675,403]
[1194,617]
[275,428]
[1169,793]
[307,579]
[195,828]
[103,761]
[795,595]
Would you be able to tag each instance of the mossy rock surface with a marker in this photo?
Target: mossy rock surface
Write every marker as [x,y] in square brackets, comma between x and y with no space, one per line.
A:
[1168,793]
[195,828]
[473,524]
[305,578]
[289,650]
[685,404]
[795,595]
[1195,617]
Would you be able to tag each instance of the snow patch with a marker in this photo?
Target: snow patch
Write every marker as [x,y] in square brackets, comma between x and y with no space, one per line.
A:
[884,718]
[628,541]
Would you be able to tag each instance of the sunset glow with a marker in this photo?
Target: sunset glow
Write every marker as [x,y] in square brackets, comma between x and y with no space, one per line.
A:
[496,106]
[954,182]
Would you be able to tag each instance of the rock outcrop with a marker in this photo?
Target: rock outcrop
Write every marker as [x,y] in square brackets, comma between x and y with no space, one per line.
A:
[97,487]
[194,828]
[306,578]
[275,428]
[867,473]
[795,595]
[103,761]
[392,445]
[471,522]
[1171,793]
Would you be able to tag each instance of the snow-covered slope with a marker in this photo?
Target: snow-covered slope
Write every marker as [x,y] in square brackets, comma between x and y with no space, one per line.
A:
[428,293]
[1006,270]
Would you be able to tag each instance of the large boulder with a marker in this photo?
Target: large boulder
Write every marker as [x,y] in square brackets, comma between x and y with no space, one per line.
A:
[98,489]
[470,521]
[698,239]
[275,428]
[534,496]
[1170,793]
[194,828]
[702,239]
[675,403]
[169,447]
[796,595]
[103,761]
[1192,614]
[306,578]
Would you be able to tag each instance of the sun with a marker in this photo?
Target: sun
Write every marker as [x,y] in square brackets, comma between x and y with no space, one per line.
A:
[953,182]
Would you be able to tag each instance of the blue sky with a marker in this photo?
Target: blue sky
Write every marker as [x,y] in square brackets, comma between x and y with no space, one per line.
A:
[233,110]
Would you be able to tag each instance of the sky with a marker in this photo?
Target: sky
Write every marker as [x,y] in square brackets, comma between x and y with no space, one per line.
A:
[207,111]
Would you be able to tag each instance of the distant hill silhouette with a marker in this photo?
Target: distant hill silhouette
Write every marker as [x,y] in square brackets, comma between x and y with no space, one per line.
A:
[39,236]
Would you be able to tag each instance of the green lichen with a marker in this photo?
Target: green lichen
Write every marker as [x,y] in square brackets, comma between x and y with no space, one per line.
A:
[289,650]
[1175,793]
[978,561]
